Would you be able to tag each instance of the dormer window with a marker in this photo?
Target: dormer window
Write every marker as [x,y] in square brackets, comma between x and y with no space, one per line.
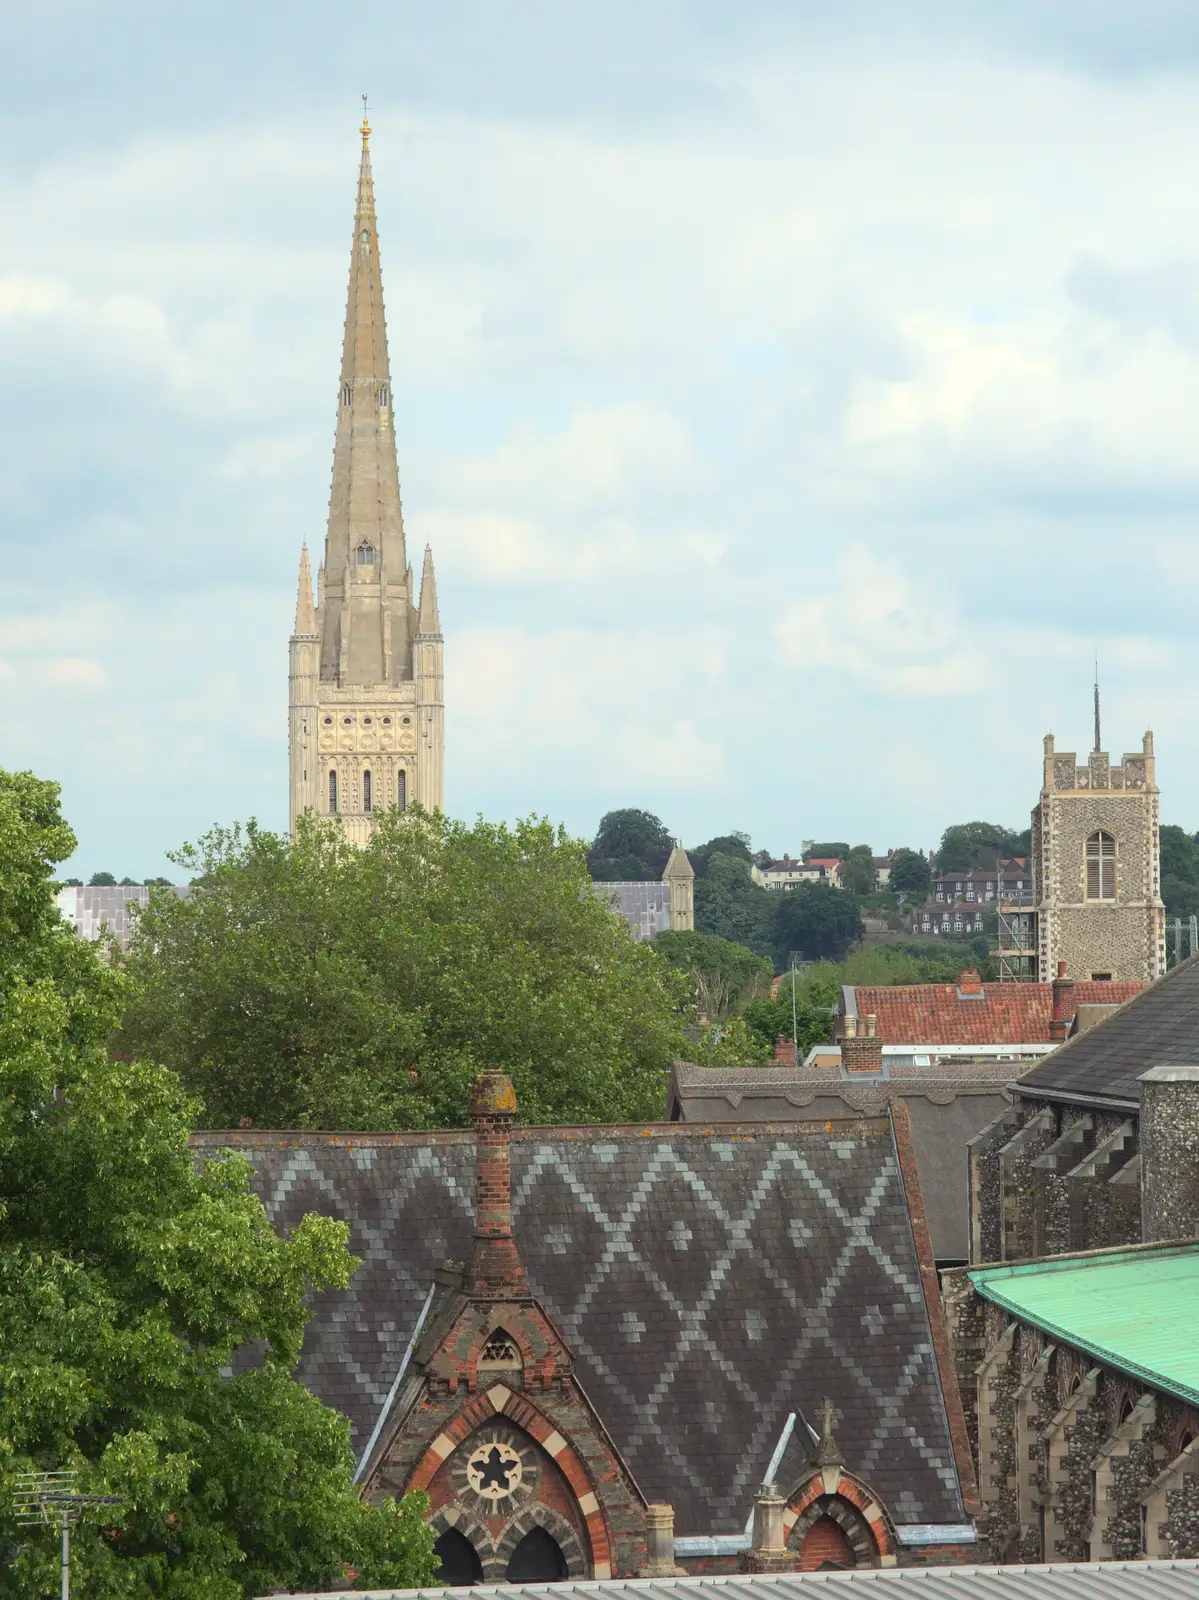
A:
[366,554]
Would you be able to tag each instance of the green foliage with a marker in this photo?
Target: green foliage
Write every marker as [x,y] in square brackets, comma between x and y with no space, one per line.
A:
[729,905]
[629,846]
[1180,871]
[726,844]
[883,964]
[857,872]
[732,1044]
[910,873]
[966,845]
[825,850]
[318,985]
[722,975]
[102,880]
[128,1281]
[820,922]
[772,1019]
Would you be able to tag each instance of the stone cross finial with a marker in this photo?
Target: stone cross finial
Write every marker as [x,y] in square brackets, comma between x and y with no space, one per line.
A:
[830,1414]
[826,1453]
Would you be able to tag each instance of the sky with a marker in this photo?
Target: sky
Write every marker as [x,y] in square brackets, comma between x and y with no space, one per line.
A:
[795,398]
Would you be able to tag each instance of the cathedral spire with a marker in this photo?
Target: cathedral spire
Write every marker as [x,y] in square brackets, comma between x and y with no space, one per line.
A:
[429,620]
[365,621]
[305,615]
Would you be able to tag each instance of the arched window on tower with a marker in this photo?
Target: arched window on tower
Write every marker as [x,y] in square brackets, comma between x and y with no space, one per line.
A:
[332,791]
[383,396]
[366,790]
[537,1558]
[460,1564]
[402,789]
[347,394]
[1101,866]
[365,554]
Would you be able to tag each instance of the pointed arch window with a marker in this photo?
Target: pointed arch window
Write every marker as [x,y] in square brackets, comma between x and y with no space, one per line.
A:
[366,790]
[1101,866]
[501,1350]
[537,1558]
[332,791]
[460,1564]
[383,397]
[365,554]
[402,790]
[347,394]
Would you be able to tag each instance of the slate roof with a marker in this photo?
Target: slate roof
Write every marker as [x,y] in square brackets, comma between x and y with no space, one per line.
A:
[645,906]
[947,1104]
[1006,1013]
[709,1281]
[1159,1026]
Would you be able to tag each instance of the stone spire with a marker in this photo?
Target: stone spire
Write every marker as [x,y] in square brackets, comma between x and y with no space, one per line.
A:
[305,615]
[428,621]
[366,615]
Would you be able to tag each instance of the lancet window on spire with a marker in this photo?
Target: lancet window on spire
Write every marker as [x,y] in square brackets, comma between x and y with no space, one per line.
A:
[383,397]
[347,394]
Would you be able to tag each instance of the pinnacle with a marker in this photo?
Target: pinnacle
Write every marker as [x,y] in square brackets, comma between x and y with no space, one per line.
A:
[305,615]
[428,619]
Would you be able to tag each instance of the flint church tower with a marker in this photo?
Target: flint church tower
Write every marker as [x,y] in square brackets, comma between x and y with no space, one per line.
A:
[366,708]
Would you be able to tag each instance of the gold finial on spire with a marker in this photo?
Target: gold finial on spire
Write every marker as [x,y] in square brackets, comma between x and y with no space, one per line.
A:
[366,127]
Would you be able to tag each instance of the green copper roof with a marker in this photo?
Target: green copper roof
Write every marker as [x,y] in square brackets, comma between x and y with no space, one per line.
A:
[1133,1309]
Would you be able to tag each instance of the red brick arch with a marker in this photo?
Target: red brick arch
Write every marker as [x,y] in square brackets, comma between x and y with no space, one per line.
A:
[499,1400]
[852,1504]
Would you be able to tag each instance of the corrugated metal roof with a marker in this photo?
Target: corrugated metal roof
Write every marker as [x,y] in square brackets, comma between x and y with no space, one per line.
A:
[1102,1580]
[1134,1309]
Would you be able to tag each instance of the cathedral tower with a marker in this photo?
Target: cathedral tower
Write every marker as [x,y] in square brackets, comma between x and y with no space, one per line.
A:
[367,714]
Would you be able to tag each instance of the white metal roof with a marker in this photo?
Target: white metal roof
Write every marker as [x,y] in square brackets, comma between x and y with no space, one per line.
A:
[1107,1580]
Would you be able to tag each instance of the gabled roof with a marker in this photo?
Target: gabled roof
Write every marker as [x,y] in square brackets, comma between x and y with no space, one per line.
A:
[1004,1013]
[948,1103]
[1131,1308]
[709,1281]
[1158,1026]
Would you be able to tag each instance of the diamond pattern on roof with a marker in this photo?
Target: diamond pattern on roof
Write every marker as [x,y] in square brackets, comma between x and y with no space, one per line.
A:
[709,1281]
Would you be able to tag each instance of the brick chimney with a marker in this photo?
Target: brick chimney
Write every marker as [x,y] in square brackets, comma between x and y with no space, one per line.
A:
[495,1271]
[1063,1005]
[784,1051]
[861,1049]
[969,982]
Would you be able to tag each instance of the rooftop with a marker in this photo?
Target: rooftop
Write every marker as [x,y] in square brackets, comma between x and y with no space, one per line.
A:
[997,1013]
[1102,1580]
[1133,1308]
[709,1280]
[1102,1064]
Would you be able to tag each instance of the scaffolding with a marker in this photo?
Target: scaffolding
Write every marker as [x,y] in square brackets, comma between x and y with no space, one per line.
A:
[1181,931]
[1016,940]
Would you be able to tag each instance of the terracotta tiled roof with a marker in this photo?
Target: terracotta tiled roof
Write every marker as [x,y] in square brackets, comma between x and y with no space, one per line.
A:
[1006,1013]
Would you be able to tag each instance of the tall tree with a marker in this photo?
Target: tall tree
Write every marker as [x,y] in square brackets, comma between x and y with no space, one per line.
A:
[729,905]
[820,922]
[629,845]
[857,872]
[1180,871]
[825,850]
[967,845]
[129,1280]
[910,873]
[725,844]
[723,975]
[316,984]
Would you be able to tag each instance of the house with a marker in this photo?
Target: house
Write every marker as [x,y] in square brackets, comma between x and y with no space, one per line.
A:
[786,873]
[830,866]
[957,921]
[1009,881]
[590,1345]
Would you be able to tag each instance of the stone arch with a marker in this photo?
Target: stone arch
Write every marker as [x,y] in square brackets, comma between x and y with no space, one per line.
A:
[539,1515]
[861,1542]
[500,1404]
[452,1518]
